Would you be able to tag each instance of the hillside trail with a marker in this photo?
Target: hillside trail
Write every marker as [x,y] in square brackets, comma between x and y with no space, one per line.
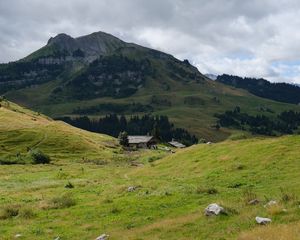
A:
[39,142]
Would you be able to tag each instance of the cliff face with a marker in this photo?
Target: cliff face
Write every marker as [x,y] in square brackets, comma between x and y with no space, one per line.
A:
[92,45]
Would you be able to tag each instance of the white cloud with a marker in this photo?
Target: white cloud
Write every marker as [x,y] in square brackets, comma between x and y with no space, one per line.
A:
[220,36]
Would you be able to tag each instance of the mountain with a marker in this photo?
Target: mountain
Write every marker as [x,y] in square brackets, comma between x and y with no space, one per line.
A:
[83,76]
[22,130]
[282,92]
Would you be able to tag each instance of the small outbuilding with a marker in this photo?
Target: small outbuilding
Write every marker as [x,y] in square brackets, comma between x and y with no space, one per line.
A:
[141,141]
[176,144]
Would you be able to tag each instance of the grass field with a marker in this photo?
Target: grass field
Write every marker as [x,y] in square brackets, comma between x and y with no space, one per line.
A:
[76,199]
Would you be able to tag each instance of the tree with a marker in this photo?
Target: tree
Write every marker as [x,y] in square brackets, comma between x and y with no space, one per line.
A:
[155,131]
[38,157]
[123,139]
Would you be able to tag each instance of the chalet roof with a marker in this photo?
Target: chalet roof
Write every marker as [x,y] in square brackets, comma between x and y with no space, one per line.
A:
[177,144]
[139,139]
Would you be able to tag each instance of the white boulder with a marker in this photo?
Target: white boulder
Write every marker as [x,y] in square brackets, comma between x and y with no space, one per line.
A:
[131,189]
[263,221]
[103,237]
[213,209]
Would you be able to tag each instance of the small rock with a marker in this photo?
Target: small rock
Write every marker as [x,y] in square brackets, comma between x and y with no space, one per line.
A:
[131,189]
[253,202]
[136,164]
[103,237]
[263,221]
[58,238]
[270,203]
[213,209]
[18,235]
[208,143]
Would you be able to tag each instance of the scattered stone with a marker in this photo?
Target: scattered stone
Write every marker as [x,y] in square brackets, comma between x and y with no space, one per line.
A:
[270,203]
[208,143]
[253,202]
[18,235]
[131,189]
[103,237]
[136,164]
[263,221]
[213,209]
[58,238]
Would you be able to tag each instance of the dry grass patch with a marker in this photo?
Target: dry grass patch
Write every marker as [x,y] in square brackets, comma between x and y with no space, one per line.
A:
[279,232]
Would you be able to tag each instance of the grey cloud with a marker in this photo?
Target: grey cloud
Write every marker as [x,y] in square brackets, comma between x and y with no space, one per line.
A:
[232,36]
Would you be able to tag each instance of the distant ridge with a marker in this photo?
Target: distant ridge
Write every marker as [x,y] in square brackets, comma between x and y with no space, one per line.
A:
[282,92]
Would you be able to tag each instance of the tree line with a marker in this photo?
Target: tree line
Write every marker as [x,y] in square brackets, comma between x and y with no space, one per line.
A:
[286,122]
[112,124]
[282,92]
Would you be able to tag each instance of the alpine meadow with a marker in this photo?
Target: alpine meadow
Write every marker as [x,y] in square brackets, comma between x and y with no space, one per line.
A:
[138,120]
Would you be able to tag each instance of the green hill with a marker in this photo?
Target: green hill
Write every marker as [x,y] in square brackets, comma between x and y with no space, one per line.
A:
[23,130]
[75,200]
[99,69]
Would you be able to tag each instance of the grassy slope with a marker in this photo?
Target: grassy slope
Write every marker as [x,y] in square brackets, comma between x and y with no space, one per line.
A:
[22,129]
[167,205]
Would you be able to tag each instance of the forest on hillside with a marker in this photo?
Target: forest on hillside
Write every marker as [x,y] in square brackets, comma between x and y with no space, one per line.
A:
[112,124]
[282,92]
[286,122]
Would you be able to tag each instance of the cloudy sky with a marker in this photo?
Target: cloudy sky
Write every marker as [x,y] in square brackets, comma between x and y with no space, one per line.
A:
[256,38]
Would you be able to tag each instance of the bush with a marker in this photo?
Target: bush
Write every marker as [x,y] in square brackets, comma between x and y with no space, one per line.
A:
[38,157]
[64,201]
[208,190]
[115,210]
[123,139]
[27,213]
[69,185]
[9,211]
[287,196]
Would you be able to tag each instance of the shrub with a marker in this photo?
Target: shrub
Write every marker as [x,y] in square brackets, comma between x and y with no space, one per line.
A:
[9,211]
[27,213]
[69,185]
[208,190]
[123,139]
[286,196]
[115,210]
[38,157]
[65,201]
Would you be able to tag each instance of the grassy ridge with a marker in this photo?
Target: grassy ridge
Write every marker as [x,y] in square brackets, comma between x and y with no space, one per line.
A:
[22,130]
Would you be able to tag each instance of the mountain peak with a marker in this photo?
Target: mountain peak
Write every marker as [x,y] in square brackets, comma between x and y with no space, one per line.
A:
[61,37]
[93,45]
